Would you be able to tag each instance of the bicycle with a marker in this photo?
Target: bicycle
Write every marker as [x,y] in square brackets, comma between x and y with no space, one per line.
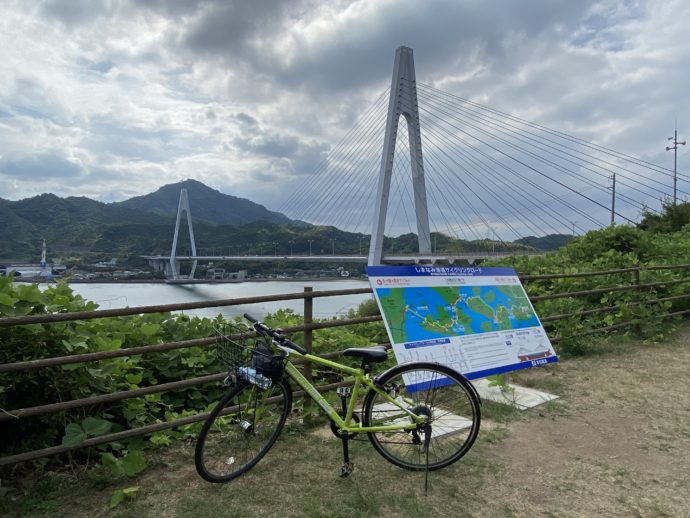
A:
[419,415]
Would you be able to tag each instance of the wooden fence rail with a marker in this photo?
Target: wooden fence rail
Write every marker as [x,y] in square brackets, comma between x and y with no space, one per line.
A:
[307,328]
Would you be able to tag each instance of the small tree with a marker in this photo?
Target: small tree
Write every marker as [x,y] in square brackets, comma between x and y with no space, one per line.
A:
[672,217]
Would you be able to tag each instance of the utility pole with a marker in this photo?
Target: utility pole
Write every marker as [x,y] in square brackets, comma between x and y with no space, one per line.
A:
[674,147]
[613,199]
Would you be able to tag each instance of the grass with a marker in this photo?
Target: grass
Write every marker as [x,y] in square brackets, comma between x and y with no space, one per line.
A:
[293,480]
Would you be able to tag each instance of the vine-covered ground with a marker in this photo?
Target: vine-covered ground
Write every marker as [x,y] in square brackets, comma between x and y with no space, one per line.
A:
[617,443]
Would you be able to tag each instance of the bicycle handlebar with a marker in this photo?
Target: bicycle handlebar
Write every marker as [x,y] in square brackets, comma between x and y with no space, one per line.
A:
[263,329]
[250,318]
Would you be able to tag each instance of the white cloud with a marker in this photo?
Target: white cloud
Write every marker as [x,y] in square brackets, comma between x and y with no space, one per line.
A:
[249,96]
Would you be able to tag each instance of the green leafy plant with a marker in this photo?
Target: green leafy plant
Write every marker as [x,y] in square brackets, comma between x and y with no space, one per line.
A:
[130,464]
[120,495]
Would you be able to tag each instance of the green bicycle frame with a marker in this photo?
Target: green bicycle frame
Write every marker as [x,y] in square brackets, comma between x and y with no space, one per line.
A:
[362,380]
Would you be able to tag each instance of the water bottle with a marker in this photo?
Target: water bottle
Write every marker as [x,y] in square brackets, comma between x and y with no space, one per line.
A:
[253,377]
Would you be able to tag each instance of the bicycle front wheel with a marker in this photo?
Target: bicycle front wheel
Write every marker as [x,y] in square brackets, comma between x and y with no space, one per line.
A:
[240,430]
[442,396]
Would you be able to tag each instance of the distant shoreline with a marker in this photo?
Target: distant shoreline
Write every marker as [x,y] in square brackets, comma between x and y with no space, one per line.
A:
[193,281]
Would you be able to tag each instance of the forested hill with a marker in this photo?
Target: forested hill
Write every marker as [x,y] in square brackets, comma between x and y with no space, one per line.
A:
[546,243]
[67,224]
[206,204]
[77,225]
[84,228]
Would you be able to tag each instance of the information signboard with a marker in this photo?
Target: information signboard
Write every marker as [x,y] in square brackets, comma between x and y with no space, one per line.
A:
[476,320]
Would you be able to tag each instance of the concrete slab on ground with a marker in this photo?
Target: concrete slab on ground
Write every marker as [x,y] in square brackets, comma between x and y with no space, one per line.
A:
[517,396]
[446,424]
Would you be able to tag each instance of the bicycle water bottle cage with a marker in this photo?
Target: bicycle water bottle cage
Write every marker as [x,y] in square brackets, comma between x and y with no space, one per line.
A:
[368,355]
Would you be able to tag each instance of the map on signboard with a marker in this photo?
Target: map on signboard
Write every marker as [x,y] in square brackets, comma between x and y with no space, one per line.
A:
[477,320]
[424,313]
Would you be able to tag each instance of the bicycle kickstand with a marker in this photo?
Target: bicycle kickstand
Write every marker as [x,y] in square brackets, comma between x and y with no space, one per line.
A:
[347,467]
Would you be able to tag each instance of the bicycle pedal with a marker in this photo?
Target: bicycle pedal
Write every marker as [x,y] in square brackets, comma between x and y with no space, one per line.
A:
[346,469]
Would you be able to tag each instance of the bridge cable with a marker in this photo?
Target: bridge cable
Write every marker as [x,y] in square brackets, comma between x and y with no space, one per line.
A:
[353,149]
[545,147]
[369,120]
[454,148]
[541,159]
[524,164]
[480,198]
[484,118]
[585,143]
[431,154]
[529,181]
[496,195]
[473,162]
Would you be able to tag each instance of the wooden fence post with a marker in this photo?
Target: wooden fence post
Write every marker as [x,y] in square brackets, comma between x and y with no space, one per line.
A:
[637,328]
[308,408]
[308,333]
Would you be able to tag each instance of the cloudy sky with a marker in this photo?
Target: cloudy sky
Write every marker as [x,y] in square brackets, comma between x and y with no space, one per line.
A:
[111,99]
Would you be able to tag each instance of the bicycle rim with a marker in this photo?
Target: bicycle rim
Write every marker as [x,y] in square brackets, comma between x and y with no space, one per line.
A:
[240,430]
[440,394]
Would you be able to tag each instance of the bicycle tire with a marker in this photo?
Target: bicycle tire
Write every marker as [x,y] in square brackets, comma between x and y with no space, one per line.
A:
[442,394]
[231,443]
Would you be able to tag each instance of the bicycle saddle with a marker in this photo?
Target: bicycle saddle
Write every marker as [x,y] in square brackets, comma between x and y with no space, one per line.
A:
[376,354]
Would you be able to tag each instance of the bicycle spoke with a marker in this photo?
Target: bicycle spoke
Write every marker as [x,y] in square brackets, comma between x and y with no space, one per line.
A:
[444,400]
[231,444]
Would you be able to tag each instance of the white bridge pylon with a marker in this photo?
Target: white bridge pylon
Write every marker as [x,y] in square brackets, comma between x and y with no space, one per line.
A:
[403,101]
[183,206]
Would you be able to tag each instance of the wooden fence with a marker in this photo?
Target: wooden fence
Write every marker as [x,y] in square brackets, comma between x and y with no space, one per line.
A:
[626,280]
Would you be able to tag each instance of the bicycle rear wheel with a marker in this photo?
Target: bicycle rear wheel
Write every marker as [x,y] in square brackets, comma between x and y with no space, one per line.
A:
[435,391]
[241,429]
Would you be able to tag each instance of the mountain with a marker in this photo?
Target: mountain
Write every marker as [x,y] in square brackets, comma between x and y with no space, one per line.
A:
[78,225]
[205,203]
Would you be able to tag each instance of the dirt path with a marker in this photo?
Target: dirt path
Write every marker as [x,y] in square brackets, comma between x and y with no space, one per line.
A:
[619,445]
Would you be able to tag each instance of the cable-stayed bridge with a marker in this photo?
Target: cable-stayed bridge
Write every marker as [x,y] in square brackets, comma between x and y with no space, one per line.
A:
[422,161]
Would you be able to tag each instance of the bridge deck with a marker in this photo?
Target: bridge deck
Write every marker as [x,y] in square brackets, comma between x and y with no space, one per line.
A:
[392,259]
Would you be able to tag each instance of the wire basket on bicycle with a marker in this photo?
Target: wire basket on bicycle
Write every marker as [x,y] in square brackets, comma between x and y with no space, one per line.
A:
[247,356]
